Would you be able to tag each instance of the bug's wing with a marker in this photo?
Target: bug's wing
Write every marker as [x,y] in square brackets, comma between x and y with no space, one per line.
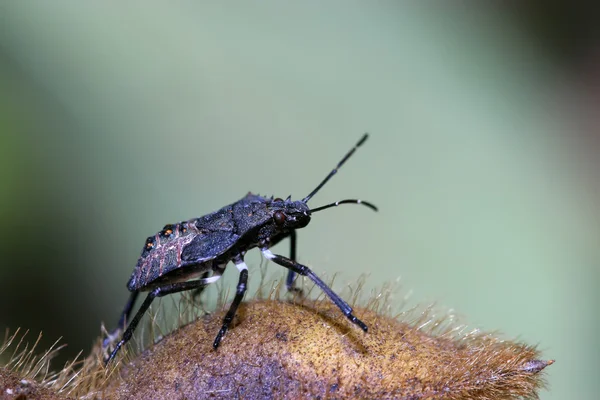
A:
[165,261]
[207,247]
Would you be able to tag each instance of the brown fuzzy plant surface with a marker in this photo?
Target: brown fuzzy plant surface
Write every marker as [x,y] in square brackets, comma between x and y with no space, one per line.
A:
[300,349]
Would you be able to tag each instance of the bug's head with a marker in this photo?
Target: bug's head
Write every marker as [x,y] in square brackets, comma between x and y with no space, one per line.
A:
[289,214]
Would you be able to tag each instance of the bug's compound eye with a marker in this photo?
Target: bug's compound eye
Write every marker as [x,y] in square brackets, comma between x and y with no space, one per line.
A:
[279,217]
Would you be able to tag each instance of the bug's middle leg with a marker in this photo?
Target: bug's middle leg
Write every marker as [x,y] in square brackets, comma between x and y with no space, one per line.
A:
[239,295]
[217,270]
[197,292]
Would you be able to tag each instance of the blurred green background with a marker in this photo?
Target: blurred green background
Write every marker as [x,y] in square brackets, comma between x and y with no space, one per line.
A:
[115,120]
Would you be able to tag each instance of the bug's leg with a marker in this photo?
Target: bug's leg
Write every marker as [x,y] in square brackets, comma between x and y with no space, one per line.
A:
[291,277]
[197,292]
[305,271]
[114,334]
[217,270]
[239,295]
[157,292]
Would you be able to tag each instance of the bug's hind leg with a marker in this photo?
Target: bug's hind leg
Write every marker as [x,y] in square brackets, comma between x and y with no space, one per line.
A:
[239,295]
[114,334]
[157,292]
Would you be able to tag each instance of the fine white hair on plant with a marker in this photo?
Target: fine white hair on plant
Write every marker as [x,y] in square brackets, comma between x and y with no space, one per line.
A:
[309,331]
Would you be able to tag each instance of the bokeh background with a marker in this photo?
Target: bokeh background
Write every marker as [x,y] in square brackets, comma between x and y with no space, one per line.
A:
[115,120]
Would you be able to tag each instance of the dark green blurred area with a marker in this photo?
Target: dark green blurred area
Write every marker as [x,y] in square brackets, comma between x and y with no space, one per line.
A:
[482,156]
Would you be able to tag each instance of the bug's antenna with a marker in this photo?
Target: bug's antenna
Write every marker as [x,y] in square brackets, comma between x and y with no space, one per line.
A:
[335,170]
[347,201]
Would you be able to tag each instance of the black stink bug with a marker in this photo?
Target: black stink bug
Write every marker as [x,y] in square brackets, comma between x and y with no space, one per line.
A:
[179,253]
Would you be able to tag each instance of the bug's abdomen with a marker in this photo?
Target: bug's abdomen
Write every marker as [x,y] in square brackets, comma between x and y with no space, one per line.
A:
[161,254]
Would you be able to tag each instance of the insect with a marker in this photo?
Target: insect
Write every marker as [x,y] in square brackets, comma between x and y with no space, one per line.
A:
[181,256]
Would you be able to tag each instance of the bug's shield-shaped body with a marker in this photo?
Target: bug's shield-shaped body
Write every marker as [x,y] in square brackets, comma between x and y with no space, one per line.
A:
[173,257]
[187,249]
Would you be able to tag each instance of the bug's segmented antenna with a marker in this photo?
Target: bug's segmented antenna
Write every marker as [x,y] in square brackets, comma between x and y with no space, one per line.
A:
[335,170]
[347,201]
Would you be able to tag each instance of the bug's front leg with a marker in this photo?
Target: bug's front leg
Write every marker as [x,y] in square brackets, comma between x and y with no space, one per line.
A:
[291,277]
[305,271]
[239,295]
